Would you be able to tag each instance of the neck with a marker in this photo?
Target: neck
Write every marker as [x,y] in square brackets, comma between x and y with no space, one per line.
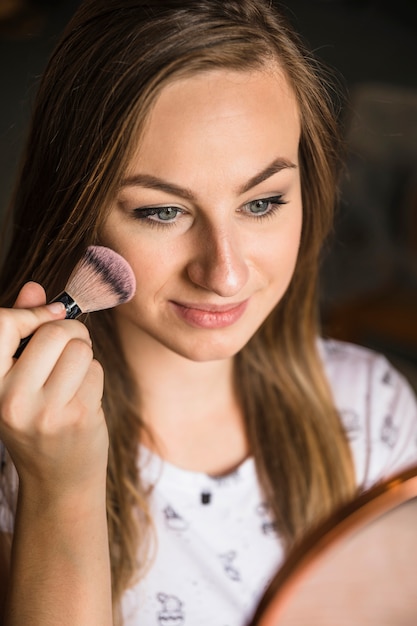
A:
[190,408]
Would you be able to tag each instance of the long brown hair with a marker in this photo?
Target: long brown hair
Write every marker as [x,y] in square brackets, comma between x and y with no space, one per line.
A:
[113,60]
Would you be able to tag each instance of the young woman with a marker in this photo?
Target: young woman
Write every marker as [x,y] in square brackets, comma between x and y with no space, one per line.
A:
[196,139]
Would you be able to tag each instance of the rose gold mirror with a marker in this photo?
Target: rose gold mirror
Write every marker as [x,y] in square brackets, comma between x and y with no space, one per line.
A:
[359,568]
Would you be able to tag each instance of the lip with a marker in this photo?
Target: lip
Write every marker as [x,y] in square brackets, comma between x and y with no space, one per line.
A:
[210,316]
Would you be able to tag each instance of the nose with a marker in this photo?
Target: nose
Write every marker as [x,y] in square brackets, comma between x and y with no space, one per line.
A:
[219,264]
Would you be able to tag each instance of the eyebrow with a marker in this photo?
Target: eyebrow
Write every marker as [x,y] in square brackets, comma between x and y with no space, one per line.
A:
[153,182]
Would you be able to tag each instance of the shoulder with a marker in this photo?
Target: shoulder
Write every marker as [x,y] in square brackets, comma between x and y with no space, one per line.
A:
[357,374]
[377,407]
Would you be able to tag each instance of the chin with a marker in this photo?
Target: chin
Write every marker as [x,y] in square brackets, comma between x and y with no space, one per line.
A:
[205,350]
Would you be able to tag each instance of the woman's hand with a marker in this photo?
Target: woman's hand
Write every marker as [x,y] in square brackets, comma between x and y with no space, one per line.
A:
[51,419]
[53,426]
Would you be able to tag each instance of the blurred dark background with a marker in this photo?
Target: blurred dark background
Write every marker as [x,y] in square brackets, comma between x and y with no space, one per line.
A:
[369,275]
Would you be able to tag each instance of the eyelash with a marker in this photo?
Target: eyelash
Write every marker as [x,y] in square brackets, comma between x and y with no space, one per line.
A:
[143,214]
[275,203]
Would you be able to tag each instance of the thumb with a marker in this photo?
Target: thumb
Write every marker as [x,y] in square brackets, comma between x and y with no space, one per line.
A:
[31,295]
[18,324]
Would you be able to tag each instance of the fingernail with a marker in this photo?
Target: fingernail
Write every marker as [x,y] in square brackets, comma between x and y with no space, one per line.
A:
[56,307]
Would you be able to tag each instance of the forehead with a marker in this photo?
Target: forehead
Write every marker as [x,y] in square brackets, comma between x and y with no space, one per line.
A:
[223,117]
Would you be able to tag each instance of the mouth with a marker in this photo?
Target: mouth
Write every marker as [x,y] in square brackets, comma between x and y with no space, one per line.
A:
[210,316]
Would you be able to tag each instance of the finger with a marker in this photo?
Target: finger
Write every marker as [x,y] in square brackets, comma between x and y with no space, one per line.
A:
[31,295]
[16,324]
[90,392]
[85,407]
[40,357]
[69,372]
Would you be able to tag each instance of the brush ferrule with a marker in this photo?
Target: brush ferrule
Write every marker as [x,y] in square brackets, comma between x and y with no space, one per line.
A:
[71,307]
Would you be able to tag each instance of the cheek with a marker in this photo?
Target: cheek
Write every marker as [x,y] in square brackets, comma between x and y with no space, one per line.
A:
[293,240]
[154,263]
[152,257]
[280,251]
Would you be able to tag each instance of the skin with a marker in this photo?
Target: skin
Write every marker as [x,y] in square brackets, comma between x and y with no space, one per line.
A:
[209,135]
[204,285]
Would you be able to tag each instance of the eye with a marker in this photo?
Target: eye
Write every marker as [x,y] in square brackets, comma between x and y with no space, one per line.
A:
[263,206]
[158,215]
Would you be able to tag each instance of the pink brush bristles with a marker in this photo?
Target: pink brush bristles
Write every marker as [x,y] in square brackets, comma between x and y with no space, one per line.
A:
[101,280]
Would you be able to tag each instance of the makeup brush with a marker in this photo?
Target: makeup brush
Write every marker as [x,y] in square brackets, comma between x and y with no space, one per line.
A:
[102,279]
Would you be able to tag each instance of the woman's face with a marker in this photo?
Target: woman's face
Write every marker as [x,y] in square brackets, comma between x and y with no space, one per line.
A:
[209,213]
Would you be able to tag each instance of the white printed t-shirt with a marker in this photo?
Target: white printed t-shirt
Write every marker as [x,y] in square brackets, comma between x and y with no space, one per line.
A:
[216,544]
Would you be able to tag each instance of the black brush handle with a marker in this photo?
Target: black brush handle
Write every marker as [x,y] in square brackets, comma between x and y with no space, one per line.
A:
[72,312]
